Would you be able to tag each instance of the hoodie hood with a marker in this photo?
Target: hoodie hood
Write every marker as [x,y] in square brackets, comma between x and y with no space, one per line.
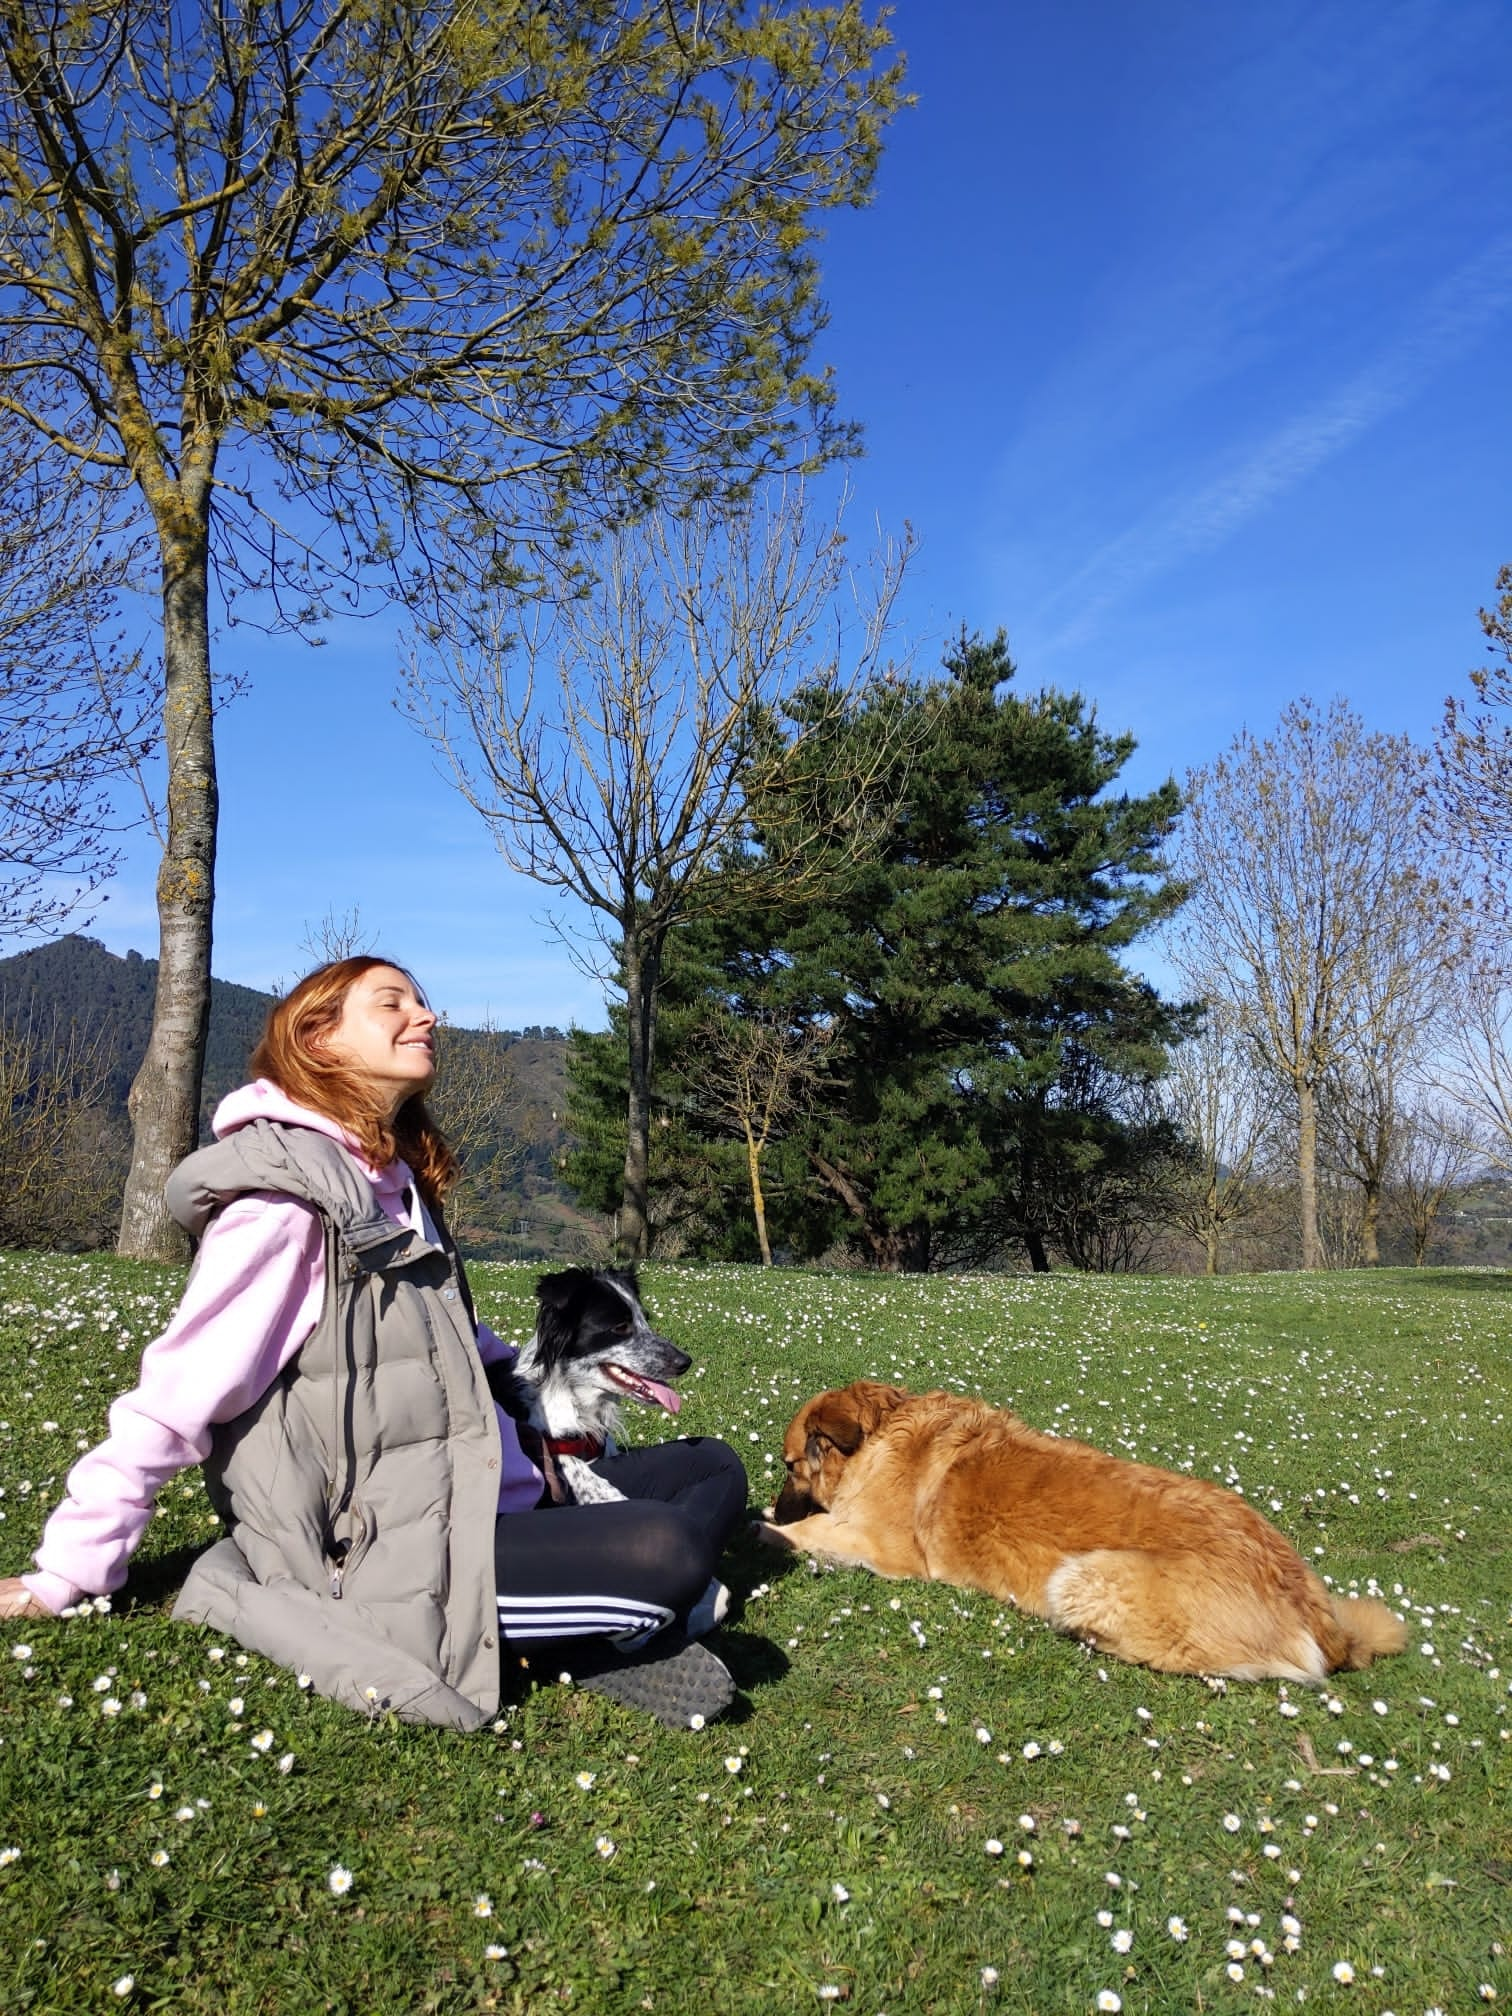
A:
[263,1100]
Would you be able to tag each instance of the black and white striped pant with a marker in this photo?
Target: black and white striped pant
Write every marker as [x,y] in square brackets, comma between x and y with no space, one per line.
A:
[628,1568]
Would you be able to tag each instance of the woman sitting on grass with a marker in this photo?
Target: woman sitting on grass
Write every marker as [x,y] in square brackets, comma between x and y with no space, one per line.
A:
[386,1532]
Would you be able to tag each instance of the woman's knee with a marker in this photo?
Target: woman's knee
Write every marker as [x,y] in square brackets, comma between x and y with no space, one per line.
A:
[727,1476]
[722,1458]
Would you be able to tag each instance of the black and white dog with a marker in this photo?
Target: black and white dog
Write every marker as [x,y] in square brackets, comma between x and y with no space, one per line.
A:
[593,1348]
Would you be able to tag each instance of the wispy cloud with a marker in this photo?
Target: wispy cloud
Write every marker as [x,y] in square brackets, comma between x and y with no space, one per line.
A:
[1452,318]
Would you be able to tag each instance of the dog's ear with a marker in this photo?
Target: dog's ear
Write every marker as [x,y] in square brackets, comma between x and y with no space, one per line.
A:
[847,1416]
[625,1277]
[559,1302]
[835,1418]
[557,1291]
[874,1402]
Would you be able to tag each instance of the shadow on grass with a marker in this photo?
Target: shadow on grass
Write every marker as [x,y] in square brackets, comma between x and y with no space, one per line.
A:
[754,1661]
[1494,1281]
[154,1584]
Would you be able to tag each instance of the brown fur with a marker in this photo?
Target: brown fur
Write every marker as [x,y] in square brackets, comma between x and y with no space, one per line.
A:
[1151,1566]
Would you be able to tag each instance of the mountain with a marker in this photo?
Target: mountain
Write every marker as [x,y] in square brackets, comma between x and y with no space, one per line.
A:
[511,1083]
[76,980]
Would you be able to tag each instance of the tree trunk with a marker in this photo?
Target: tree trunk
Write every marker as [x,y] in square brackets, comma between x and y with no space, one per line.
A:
[1211,1228]
[1370,1226]
[879,1240]
[164,1098]
[915,1249]
[1034,1246]
[642,969]
[1307,1177]
[758,1200]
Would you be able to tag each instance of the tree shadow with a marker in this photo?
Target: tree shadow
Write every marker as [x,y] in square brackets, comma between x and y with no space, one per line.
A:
[1494,1281]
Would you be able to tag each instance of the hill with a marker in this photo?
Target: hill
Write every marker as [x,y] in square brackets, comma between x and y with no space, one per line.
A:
[509,1098]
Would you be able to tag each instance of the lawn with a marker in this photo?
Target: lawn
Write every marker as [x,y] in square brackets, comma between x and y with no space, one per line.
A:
[924,1802]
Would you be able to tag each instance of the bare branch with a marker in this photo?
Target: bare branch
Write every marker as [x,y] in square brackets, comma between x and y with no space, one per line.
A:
[75,706]
[622,742]
[1320,911]
[1474,751]
[61,1157]
[1223,1110]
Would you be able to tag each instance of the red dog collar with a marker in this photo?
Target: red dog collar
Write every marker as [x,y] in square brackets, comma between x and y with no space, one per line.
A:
[536,1444]
[587,1446]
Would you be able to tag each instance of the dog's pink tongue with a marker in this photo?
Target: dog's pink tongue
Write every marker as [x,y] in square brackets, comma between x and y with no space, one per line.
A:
[664,1396]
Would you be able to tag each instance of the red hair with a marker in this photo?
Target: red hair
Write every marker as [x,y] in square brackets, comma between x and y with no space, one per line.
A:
[292,1056]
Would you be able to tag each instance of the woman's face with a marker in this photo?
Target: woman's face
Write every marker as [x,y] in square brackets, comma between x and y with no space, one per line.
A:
[385,1033]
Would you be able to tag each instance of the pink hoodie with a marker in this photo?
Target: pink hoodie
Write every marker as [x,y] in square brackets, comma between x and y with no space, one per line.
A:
[253,1300]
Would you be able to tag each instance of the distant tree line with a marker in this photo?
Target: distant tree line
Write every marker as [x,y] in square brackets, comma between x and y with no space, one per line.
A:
[74,1021]
[933,1049]
[938,1057]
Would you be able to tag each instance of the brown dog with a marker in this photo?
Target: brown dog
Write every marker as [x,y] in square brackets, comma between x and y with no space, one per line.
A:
[1154,1567]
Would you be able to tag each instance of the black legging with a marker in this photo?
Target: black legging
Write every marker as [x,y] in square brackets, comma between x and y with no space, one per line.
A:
[627,1568]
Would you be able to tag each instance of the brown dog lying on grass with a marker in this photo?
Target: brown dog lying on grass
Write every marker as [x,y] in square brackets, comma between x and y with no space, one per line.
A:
[1151,1566]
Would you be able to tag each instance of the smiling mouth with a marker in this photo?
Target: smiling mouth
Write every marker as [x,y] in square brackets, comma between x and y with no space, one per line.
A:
[651,1391]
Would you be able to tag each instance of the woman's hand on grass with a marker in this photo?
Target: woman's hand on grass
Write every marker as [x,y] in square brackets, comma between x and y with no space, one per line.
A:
[16,1600]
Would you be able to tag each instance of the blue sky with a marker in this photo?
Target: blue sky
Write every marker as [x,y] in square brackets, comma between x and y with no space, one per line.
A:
[1181,333]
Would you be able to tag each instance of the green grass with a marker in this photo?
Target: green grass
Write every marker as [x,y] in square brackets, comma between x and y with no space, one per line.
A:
[886,1733]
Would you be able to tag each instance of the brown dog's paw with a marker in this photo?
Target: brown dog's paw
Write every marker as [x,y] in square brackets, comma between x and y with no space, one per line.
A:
[771,1536]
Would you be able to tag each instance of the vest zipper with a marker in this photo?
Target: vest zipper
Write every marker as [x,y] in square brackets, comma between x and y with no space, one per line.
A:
[341,1550]
[347,1553]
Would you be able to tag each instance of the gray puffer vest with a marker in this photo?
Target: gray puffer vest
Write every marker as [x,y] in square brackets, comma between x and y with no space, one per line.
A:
[360,1492]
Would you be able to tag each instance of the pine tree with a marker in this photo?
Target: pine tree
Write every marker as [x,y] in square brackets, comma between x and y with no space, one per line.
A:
[985,1029]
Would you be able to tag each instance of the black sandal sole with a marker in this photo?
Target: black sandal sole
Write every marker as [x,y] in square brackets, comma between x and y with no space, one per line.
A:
[681,1683]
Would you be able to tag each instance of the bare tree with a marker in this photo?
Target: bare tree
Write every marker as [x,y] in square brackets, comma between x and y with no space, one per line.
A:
[1474,749]
[1358,1125]
[336,937]
[1318,913]
[75,705]
[1437,1146]
[1404,995]
[1224,1111]
[615,741]
[753,1074]
[483,1112]
[386,294]
[61,1160]
[1474,1067]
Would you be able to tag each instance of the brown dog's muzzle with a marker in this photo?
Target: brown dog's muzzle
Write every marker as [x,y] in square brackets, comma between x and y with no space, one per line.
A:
[793,1502]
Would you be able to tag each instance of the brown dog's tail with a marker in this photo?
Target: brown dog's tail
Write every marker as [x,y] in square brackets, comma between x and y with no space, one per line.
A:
[1371,1631]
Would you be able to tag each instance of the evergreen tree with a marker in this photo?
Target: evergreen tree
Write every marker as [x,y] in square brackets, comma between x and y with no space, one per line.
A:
[986,1032]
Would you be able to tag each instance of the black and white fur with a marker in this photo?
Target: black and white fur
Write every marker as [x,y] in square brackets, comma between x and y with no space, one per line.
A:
[593,1348]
